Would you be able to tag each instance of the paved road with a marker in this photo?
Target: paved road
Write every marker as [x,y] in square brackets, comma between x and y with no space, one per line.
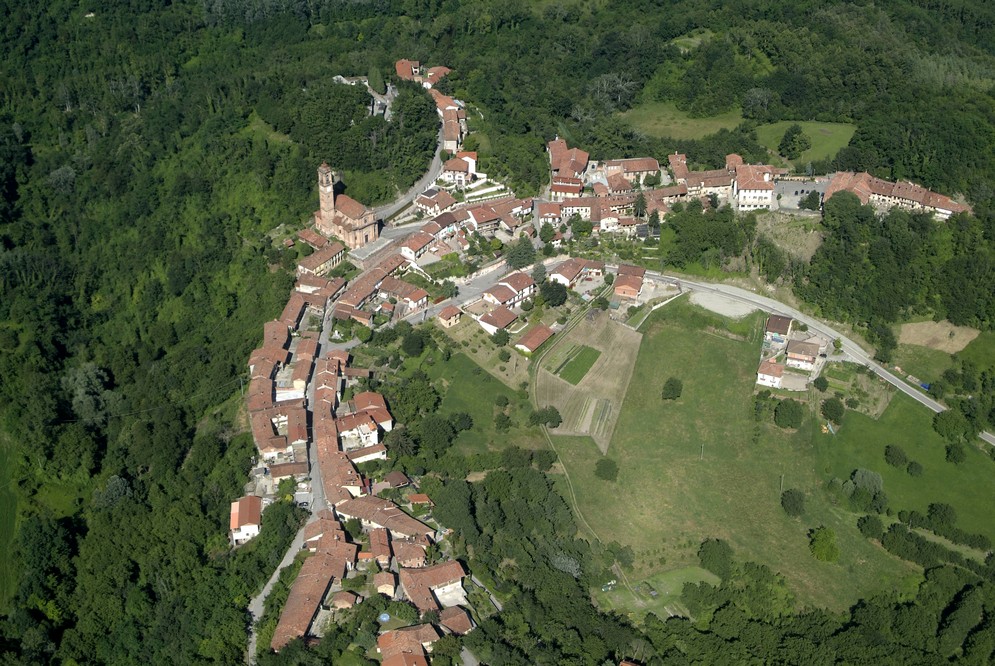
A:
[387,210]
[850,348]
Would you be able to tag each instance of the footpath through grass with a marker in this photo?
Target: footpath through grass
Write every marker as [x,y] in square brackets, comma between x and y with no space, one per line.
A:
[577,366]
[702,467]
[664,119]
[8,527]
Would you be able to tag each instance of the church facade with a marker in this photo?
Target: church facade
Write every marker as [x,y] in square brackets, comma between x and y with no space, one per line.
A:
[341,215]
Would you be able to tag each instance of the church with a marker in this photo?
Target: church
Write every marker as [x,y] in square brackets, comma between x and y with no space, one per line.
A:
[342,216]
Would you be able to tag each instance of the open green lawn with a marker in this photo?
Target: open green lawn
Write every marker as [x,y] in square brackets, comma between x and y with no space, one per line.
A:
[664,119]
[667,586]
[574,370]
[925,363]
[980,350]
[474,391]
[8,526]
[702,467]
[969,487]
[827,138]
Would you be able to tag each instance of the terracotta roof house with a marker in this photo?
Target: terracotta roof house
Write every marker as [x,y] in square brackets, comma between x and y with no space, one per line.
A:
[753,188]
[436,587]
[246,518]
[414,640]
[322,260]
[628,286]
[565,161]
[397,479]
[534,339]
[306,596]
[385,583]
[770,374]
[405,660]
[380,546]
[450,316]
[629,269]
[377,512]
[573,269]
[802,354]
[419,498]
[633,167]
[344,599]
[456,620]
[497,318]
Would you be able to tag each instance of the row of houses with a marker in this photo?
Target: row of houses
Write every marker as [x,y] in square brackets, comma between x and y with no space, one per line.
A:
[886,194]
[781,351]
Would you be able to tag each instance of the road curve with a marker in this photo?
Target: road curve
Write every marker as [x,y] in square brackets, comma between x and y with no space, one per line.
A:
[850,348]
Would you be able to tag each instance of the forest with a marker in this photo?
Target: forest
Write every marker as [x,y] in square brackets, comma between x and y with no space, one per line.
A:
[152,155]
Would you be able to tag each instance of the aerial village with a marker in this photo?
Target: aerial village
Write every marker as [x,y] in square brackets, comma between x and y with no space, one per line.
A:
[313,424]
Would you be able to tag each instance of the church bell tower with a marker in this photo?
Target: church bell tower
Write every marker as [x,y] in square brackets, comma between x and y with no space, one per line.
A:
[326,192]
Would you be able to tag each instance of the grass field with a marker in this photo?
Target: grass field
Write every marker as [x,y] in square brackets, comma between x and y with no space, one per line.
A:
[471,390]
[969,487]
[8,525]
[701,467]
[827,138]
[667,586]
[579,363]
[925,363]
[664,119]
[981,350]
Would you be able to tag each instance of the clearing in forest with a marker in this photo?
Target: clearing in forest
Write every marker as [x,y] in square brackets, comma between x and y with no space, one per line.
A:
[827,138]
[664,119]
[590,407]
[940,335]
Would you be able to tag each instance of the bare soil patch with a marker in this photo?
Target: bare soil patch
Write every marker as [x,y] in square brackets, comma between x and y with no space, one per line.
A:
[726,307]
[941,335]
[592,406]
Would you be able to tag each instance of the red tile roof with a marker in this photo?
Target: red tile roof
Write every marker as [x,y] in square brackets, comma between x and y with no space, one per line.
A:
[246,510]
[419,583]
[771,369]
[499,317]
[456,620]
[449,312]
[350,207]
[383,513]
[778,324]
[535,337]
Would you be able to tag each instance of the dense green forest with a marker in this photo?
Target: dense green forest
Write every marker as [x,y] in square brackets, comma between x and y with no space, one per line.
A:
[149,153]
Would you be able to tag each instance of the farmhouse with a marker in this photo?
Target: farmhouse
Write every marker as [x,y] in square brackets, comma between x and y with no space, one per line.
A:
[770,374]
[753,188]
[633,168]
[532,340]
[246,519]
[461,170]
[322,260]
[511,290]
[574,269]
[778,329]
[434,588]
[450,316]
[342,216]
[565,161]
[498,318]
[375,512]
[628,286]
[435,202]
[802,354]
[415,245]
[551,213]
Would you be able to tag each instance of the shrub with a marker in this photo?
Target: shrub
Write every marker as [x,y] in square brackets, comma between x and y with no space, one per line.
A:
[871,527]
[502,421]
[715,555]
[504,355]
[793,502]
[501,400]
[821,383]
[500,337]
[789,413]
[895,456]
[672,389]
[822,544]
[914,469]
[956,453]
[833,409]
[606,469]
